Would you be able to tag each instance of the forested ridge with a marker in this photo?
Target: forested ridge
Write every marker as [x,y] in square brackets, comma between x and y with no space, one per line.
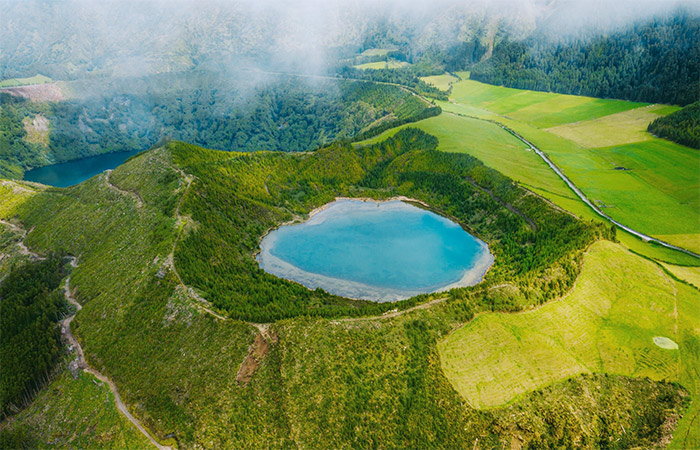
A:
[681,126]
[284,114]
[234,205]
[656,62]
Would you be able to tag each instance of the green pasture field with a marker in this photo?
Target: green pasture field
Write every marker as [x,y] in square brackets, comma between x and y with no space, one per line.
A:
[654,165]
[657,196]
[442,82]
[14,82]
[77,413]
[688,274]
[605,325]
[392,64]
[615,129]
[541,109]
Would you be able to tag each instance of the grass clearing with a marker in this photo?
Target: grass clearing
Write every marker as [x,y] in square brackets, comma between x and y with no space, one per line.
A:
[615,129]
[606,324]
[377,51]
[686,273]
[442,82]
[391,64]
[14,82]
[659,195]
[541,109]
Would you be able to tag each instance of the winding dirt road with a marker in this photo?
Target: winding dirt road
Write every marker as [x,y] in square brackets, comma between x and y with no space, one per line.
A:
[82,364]
[134,195]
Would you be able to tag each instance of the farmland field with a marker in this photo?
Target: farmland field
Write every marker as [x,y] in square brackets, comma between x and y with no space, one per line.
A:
[13,82]
[392,64]
[442,82]
[606,324]
[619,128]
[649,184]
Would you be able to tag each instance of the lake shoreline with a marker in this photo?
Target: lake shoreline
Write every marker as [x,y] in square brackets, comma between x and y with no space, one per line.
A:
[356,290]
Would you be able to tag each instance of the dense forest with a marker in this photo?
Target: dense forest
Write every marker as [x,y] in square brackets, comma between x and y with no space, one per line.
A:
[658,61]
[236,204]
[285,114]
[682,126]
[30,308]
[408,76]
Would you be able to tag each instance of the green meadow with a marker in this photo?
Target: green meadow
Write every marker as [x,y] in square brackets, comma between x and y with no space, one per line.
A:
[649,184]
[541,109]
[615,129]
[14,82]
[391,64]
[606,324]
[442,82]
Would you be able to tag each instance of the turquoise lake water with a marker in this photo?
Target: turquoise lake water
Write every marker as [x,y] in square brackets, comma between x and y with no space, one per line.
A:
[74,172]
[382,251]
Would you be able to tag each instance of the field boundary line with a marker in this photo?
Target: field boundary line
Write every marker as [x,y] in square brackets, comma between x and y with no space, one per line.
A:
[577,191]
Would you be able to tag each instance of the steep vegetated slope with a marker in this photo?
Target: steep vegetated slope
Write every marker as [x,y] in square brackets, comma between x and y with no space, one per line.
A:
[320,383]
[232,112]
[30,307]
[654,61]
[251,193]
[681,126]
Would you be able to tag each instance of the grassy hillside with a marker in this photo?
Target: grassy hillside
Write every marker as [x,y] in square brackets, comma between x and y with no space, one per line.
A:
[374,382]
[13,82]
[619,304]
[73,413]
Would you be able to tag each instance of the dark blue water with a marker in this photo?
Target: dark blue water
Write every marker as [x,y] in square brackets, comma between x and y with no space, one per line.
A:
[378,251]
[74,172]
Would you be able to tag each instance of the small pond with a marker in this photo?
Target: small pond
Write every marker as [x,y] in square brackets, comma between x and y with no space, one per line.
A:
[73,172]
[381,251]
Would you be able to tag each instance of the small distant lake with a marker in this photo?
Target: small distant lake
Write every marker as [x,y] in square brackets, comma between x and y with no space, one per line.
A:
[73,172]
[381,251]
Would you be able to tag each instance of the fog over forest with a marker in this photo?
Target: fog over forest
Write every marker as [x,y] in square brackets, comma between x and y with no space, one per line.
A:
[69,39]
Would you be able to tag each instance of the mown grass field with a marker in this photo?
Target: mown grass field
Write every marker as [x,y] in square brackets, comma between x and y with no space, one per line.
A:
[615,129]
[442,82]
[14,82]
[605,325]
[391,64]
[376,51]
[688,274]
[541,109]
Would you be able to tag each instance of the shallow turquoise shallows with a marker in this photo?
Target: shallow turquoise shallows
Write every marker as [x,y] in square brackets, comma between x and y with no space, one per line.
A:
[73,172]
[382,251]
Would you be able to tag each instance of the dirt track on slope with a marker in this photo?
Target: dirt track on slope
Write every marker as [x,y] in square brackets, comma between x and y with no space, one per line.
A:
[80,363]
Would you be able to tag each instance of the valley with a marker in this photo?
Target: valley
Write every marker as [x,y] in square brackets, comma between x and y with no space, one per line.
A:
[356,226]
